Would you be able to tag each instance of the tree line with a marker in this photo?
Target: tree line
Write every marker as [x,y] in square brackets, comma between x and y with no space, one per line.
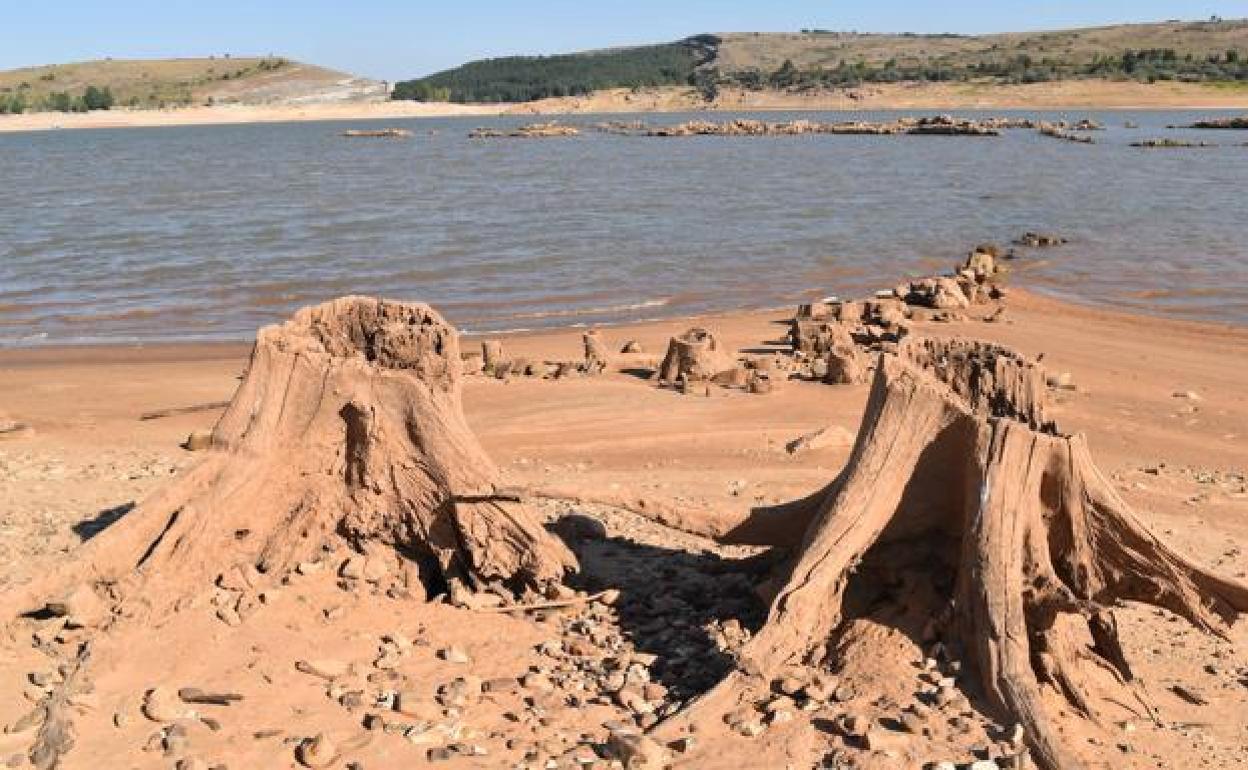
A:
[527,78]
[92,98]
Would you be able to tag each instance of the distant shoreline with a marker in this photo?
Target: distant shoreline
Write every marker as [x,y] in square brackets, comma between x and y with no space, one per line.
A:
[1062,95]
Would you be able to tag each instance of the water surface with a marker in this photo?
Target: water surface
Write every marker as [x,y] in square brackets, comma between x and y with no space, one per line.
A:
[206,232]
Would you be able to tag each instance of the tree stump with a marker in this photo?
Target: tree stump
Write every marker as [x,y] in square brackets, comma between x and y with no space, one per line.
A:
[597,356]
[492,356]
[959,476]
[348,424]
[696,356]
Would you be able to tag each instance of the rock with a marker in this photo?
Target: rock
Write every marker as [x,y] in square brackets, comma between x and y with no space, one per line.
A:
[375,569]
[229,616]
[353,568]
[324,668]
[911,722]
[879,739]
[636,751]
[10,428]
[191,763]
[983,764]
[1062,381]
[318,751]
[854,725]
[537,682]
[453,654]
[632,346]
[683,745]
[161,704]
[761,384]
[198,441]
[81,607]
[633,701]
[1187,394]
[1039,240]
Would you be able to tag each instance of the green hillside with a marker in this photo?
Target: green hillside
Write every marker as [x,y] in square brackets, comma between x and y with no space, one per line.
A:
[1206,51]
[525,78]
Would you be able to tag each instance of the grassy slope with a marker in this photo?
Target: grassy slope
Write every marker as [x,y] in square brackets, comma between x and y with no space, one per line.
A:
[767,51]
[176,82]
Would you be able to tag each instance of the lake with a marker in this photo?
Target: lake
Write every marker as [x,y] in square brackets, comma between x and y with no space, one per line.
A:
[206,232]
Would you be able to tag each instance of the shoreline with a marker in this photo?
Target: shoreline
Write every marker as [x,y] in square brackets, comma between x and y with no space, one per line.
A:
[1049,97]
[166,349]
[191,351]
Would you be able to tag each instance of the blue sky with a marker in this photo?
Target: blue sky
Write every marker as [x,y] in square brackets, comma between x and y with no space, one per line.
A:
[394,39]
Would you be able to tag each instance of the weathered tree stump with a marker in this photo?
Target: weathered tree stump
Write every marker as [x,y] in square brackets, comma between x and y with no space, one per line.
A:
[493,357]
[597,355]
[347,425]
[695,355]
[960,475]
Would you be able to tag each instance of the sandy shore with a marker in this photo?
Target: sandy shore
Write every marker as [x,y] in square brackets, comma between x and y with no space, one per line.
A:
[1162,402]
[1081,94]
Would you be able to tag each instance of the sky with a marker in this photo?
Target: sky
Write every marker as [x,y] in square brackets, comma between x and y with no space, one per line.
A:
[392,39]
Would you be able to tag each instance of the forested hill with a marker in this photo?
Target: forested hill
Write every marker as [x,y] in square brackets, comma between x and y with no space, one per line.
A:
[1206,51]
[525,78]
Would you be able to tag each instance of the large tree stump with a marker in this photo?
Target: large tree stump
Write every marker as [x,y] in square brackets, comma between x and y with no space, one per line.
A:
[348,424]
[959,473]
[695,355]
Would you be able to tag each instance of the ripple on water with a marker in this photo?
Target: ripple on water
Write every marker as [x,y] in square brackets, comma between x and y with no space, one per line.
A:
[208,232]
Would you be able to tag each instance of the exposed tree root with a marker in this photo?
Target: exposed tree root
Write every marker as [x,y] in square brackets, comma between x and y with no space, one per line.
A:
[348,424]
[956,447]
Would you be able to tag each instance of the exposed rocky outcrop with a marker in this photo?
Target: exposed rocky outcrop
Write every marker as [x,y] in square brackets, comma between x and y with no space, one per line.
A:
[530,131]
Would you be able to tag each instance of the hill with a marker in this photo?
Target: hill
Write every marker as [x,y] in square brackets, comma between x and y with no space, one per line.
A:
[158,83]
[1209,51]
[527,78]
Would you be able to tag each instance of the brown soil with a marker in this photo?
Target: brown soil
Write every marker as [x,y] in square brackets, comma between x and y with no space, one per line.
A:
[1160,402]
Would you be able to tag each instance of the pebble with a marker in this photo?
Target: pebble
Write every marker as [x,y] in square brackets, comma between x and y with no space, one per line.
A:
[453,654]
[198,441]
[636,751]
[325,668]
[318,751]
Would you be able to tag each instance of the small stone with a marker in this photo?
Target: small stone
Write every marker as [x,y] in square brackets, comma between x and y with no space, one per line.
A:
[376,569]
[323,669]
[633,701]
[318,751]
[352,568]
[198,441]
[911,722]
[790,685]
[537,681]
[453,654]
[879,739]
[636,751]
